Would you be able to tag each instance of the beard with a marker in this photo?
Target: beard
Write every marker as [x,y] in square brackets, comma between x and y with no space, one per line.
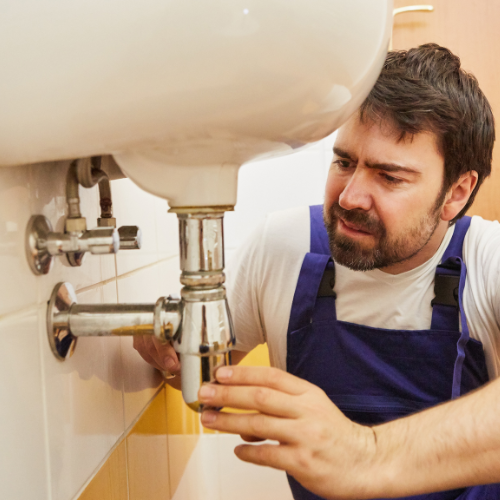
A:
[386,251]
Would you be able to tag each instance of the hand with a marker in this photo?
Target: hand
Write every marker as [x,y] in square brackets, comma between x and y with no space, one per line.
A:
[161,356]
[321,448]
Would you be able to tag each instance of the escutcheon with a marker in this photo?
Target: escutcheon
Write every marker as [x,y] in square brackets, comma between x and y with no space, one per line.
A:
[38,256]
[62,341]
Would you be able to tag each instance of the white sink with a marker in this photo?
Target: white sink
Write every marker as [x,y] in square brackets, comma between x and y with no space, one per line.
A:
[182,92]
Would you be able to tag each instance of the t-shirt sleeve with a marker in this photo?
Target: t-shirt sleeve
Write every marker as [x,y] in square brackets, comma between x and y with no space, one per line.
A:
[243,288]
[487,263]
[482,298]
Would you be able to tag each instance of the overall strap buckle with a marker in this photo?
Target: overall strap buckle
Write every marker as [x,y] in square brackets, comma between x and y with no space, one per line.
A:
[446,290]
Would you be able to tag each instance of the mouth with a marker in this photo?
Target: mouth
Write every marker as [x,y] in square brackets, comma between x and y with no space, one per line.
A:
[351,229]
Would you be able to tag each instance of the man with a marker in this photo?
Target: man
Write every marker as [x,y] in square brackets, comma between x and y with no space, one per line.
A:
[362,327]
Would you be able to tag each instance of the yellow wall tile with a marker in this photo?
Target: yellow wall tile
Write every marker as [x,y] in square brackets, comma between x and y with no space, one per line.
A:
[147,453]
[184,431]
[110,482]
[151,476]
[257,357]
[180,418]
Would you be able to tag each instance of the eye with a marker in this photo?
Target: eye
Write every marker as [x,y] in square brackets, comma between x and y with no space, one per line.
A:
[390,179]
[342,164]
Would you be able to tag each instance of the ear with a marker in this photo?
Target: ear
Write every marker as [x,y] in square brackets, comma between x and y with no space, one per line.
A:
[458,195]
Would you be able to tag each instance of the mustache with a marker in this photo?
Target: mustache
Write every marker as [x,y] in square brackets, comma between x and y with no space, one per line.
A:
[359,218]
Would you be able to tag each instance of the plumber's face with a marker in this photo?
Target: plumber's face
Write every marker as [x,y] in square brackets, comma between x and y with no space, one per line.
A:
[383,196]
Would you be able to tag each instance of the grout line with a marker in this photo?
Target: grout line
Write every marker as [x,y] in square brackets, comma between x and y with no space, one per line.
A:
[43,382]
[125,275]
[19,313]
[147,266]
[127,469]
[120,440]
[33,307]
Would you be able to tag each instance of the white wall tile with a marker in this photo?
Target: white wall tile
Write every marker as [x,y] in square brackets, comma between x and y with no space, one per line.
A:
[133,206]
[201,478]
[23,464]
[249,480]
[140,380]
[167,230]
[277,184]
[19,289]
[169,276]
[83,402]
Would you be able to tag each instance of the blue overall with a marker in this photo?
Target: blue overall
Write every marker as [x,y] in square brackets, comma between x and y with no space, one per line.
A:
[373,374]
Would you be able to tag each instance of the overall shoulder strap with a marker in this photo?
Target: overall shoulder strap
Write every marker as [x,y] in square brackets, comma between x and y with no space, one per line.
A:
[319,236]
[447,305]
[306,292]
[447,281]
[316,268]
[455,247]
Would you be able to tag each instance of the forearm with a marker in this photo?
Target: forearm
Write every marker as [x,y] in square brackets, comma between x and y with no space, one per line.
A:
[452,445]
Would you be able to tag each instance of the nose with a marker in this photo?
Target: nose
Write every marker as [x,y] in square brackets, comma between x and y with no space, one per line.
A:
[356,193]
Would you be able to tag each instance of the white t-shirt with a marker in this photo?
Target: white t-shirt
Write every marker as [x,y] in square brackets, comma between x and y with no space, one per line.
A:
[263,274]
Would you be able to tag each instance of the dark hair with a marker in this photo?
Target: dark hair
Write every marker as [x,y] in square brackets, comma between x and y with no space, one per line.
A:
[425,90]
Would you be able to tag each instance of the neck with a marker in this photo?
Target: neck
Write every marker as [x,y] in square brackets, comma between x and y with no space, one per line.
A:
[423,255]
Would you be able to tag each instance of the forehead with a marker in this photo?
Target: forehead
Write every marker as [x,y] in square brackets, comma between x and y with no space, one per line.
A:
[380,143]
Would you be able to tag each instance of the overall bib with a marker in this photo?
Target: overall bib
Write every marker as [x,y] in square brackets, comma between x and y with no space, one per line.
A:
[373,374]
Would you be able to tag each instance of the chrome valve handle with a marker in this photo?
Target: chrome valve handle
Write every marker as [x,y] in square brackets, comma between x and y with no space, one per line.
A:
[42,244]
[130,237]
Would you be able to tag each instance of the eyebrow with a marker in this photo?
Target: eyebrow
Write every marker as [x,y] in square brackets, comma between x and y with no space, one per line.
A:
[387,167]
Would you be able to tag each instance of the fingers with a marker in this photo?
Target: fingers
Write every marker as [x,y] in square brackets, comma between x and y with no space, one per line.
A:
[251,439]
[278,456]
[250,424]
[161,356]
[262,399]
[263,376]
[144,352]
[167,355]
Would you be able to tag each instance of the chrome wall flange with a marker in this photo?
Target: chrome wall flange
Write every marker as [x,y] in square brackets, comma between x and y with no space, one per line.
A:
[61,340]
[67,320]
[37,231]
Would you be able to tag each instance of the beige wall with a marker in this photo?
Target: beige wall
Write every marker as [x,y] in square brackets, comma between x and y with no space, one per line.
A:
[470,30]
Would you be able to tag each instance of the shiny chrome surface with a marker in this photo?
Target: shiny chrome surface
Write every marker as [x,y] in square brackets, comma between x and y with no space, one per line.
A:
[37,231]
[61,340]
[207,335]
[96,320]
[130,237]
[201,242]
[197,371]
[101,240]
[205,340]
[67,320]
[42,244]
[167,318]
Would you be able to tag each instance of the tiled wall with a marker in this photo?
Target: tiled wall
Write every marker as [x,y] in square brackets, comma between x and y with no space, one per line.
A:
[83,427]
